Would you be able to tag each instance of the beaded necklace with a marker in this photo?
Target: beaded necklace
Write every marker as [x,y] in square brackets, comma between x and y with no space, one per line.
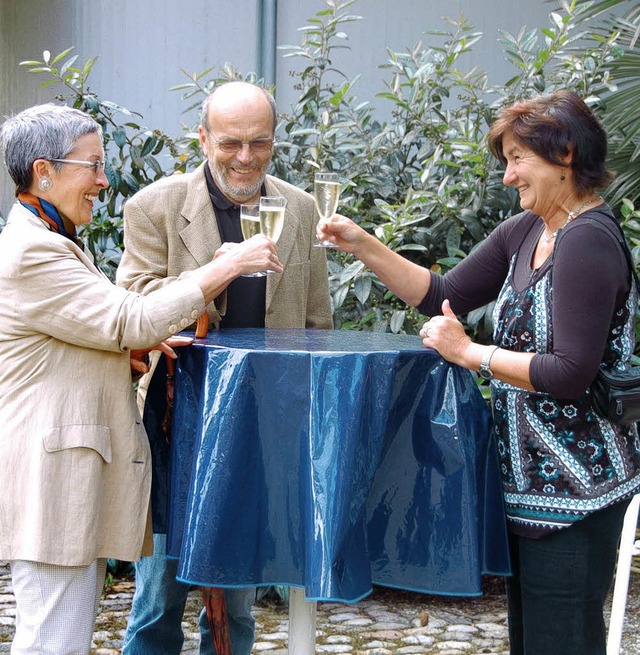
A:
[572,214]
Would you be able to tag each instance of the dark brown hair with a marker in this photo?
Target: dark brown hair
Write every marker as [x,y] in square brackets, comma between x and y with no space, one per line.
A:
[552,126]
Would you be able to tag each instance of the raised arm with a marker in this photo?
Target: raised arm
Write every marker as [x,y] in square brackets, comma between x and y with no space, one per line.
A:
[407,280]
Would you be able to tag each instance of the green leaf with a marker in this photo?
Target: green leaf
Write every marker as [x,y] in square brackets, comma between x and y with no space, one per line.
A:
[351,271]
[155,166]
[67,65]
[120,137]
[113,176]
[136,157]
[62,55]
[131,182]
[339,296]
[397,321]
[362,287]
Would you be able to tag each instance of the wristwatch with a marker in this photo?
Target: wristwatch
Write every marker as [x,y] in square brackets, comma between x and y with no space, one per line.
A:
[485,372]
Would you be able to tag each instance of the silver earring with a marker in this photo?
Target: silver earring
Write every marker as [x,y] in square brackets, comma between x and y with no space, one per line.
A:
[45,183]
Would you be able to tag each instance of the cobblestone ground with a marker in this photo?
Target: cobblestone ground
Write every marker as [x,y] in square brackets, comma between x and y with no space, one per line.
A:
[388,622]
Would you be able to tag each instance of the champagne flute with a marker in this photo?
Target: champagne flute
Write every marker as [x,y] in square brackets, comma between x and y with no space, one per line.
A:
[326,193]
[250,226]
[272,216]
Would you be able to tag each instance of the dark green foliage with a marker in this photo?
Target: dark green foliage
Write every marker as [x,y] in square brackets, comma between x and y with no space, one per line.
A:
[132,151]
[423,181]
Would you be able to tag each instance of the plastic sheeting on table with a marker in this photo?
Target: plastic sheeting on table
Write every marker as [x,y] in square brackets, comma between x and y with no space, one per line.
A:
[332,460]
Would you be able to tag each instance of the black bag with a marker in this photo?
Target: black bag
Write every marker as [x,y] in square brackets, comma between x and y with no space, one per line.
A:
[615,395]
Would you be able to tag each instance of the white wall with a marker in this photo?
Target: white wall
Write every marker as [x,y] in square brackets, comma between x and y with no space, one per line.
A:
[143,45]
[401,24]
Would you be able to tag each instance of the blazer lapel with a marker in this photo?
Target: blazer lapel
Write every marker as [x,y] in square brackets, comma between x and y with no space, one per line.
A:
[287,239]
[201,236]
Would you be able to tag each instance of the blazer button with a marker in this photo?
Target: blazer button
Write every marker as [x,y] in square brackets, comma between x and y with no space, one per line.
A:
[194,314]
[184,322]
[173,329]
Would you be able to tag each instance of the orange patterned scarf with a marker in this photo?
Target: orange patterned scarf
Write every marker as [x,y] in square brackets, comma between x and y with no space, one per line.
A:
[46,211]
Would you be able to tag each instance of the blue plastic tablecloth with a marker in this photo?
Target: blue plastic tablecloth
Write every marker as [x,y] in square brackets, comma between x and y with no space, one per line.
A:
[332,460]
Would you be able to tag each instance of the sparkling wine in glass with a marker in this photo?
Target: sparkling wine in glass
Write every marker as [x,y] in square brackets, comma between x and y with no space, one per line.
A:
[272,216]
[326,193]
[250,226]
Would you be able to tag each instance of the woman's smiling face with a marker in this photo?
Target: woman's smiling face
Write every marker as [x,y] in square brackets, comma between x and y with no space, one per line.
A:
[540,184]
[75,187]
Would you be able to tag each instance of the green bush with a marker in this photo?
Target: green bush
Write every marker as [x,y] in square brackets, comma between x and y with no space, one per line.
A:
[132,152]
[423,181]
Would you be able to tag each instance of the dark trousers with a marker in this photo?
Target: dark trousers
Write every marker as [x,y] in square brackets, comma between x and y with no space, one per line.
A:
[560,582]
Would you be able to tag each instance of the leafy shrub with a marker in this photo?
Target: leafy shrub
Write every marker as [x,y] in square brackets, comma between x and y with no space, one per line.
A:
[424,181]
[132,152]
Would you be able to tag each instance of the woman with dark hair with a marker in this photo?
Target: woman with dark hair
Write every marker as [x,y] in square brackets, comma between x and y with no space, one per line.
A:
[565,304]
[74,458]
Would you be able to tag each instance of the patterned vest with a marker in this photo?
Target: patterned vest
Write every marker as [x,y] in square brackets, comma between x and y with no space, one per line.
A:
[559,460]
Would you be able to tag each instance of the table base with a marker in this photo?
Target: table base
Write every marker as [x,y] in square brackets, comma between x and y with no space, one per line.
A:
[302,623]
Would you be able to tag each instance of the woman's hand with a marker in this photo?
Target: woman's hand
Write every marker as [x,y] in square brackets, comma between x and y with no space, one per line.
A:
[446,335]
[255,254]
[407,280]
[343,232]
[139,359]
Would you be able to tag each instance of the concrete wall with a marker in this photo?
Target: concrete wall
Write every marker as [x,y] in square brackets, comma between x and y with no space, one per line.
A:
[143,45]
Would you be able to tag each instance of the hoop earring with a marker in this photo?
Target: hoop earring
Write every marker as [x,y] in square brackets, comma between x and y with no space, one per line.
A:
[45,183]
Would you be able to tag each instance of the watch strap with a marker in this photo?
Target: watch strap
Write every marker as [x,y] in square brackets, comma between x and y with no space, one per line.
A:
[486,360]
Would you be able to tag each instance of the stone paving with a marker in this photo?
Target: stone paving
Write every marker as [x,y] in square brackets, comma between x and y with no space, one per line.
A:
[388,622]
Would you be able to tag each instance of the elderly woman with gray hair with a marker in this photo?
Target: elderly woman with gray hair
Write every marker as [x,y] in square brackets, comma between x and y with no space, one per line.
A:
[74,458]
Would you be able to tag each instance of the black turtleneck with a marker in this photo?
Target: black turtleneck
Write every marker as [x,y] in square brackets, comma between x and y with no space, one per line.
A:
[245,295]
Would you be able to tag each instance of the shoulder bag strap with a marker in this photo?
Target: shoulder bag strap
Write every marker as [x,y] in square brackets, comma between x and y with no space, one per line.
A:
[618,234]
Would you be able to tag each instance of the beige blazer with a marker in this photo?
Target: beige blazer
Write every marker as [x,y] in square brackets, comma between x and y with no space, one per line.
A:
[74,458]
[170,227]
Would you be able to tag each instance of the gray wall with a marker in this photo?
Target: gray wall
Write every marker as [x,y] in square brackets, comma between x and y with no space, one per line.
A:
[143,45]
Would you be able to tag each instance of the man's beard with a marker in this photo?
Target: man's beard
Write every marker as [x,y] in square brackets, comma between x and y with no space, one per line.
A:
[235,193]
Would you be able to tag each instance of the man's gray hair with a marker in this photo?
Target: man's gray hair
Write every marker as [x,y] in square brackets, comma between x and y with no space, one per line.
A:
[41,132]
[204,113]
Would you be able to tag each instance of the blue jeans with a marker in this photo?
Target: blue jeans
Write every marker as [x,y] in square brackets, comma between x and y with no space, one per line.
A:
[557,593]
[154,626]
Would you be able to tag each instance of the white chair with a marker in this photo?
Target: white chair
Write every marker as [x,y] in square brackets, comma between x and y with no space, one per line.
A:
[627,549]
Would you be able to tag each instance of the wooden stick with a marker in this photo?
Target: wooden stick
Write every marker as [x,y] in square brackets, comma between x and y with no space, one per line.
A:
[214,602]
[202,326]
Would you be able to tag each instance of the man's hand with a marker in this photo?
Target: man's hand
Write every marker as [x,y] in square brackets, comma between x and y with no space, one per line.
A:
[255,254]
[226,247]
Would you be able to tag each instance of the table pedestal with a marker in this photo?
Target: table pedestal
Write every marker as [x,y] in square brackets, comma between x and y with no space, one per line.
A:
[302,623]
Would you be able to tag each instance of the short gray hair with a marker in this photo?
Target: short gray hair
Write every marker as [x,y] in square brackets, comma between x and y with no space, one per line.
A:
[41,132]
[204,113]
